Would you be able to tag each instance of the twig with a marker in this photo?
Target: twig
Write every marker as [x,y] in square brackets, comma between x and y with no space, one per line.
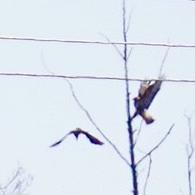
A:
[17,184]
[17,173]
[156,146]
[138,133]
[148,174]
[129,20]
[114,45]
[129,54]
[163,62]
[190,151]
[189,172]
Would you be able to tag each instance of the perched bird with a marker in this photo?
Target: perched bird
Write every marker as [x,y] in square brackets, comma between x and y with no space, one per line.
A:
[76,133]
[146,95]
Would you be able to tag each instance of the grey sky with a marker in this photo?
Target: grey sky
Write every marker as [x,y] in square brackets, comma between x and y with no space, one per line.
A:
[36,112]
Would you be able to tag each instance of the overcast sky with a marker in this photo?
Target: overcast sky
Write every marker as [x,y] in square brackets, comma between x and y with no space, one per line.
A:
[35,112]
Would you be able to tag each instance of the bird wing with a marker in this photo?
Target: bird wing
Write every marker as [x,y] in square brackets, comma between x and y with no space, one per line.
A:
[151,93]
[60,141]
[93,139]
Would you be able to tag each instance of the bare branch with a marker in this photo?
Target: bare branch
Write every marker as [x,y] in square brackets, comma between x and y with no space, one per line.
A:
[190,152]
[189,172]
[157,145]
[129,54]
[138,133]
[163,62]
[129,20]
[17,173]
[18,183]
[148,174]
[114,45]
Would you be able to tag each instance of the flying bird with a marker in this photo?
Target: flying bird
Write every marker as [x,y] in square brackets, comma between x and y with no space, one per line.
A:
[76,133]
[146,95]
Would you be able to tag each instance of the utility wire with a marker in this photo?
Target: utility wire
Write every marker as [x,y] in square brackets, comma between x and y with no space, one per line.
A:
[58,76]
[31,39]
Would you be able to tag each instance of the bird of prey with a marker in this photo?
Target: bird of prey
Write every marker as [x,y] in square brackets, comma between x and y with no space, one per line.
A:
[76,133]
[146,95]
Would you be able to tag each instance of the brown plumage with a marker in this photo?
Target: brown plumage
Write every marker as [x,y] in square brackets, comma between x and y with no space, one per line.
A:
[76,133]
[146,95]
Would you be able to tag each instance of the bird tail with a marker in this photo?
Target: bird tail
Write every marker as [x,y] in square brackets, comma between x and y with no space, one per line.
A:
[147,117]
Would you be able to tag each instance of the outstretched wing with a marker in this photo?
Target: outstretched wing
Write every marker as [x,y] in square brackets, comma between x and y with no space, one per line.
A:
[60,141]
[93,139]
[151,93]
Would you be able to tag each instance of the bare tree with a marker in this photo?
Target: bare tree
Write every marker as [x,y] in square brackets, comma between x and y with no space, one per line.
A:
[190,153]
[142,103]
[145,102]
[18,183]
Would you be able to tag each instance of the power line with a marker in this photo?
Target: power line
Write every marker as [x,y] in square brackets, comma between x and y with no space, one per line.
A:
[97,42]
[90,77]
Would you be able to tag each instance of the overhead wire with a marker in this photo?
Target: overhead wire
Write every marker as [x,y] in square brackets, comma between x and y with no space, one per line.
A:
[91,77]
[32,39]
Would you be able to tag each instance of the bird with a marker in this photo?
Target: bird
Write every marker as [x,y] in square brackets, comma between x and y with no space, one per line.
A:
[146,95]
[76,133]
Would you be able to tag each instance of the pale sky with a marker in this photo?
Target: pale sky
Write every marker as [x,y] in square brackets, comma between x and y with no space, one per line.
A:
[35,112]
